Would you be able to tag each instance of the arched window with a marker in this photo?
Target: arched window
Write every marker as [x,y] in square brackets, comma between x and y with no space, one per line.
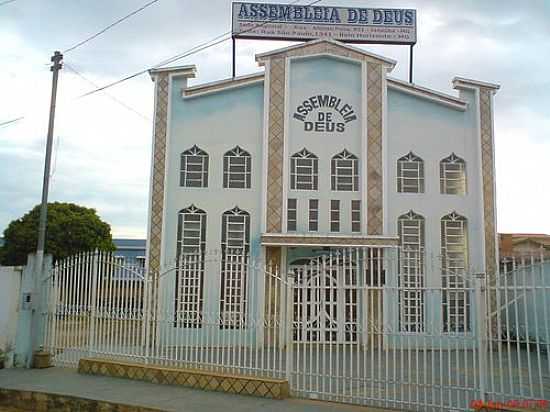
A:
[236,169]
[452,174]
[344,171]
[410,174]
[304,171]
[410,227]
[235,245]
[454,259]
[191,244]
[194,168]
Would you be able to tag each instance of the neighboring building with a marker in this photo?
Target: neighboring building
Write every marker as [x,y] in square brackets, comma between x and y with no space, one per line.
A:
[130,250]
[523,245]
[320,153]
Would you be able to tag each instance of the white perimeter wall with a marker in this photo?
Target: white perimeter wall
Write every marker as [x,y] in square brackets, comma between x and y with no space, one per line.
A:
[10,283]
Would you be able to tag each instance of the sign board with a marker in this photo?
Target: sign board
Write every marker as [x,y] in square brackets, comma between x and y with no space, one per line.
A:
[345,24]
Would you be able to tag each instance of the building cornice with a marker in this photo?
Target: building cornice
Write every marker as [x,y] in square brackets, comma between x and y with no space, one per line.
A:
[464,83]
[220,85]
[429,94]
[188,71]
[263,57]
[292,239]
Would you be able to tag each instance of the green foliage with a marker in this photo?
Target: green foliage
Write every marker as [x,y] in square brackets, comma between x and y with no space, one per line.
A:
[70,229]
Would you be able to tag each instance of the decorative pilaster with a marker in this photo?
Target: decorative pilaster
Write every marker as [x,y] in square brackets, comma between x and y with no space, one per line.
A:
[488,169]
[157,178]
[375,192]
[275,160]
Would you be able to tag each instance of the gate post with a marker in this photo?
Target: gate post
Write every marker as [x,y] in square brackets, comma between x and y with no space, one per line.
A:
[93,303]
[289,319]
[481,331]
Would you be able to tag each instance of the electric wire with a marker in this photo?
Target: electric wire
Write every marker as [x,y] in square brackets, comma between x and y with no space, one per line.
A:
[110,26]
[203,46]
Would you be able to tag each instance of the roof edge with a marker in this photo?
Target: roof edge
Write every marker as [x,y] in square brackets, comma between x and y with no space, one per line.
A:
[188,71]
[465,83]
[430,94]
[261,57]
[224,84]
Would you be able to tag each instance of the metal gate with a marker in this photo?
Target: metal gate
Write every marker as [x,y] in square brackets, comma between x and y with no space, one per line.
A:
[357,325]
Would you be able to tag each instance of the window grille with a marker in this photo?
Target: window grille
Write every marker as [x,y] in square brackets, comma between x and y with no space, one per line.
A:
[291,221]
[304,171]
[334,215]
[356,216]
[454,253]
[235,249]
[410,174]
[452,173]
[345,172]
[313,215]
[191,247]
[237,169]
[411,274]
[194,168]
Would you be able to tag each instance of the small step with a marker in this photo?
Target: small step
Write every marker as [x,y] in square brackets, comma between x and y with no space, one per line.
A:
[191,378]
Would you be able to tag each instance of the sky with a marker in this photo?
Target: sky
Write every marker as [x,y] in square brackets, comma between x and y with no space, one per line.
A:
[102,143]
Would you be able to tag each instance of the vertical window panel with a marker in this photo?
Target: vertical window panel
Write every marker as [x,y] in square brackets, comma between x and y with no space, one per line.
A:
[237,165]
[191,247]
[304,171]
[356,216]
[291,220]
[410,174]
[313,215]
[452,174]
[235,245]
[334,215]
[411,272]
[454,255]
[194,168]
[345,172]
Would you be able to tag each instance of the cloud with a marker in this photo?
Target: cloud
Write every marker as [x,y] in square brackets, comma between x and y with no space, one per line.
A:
[103,149]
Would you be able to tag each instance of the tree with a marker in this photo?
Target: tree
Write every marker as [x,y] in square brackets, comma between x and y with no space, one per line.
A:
[71,228]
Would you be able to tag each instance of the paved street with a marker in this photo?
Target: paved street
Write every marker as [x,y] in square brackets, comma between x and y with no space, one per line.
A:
[170,398]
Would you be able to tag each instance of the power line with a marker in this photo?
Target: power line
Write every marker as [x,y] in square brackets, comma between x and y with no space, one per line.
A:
[99,33]
[196,49]
[6,2]
[12,120]
[115,99]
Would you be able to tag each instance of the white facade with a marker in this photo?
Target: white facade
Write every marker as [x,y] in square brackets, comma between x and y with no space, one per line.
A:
[273,117]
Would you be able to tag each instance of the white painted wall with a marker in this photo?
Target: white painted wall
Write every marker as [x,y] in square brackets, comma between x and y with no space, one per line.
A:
[216,123]
[433,131]
[314,76]
[10,283]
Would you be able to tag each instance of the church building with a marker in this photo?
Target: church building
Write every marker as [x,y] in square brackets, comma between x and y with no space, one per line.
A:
[323,161]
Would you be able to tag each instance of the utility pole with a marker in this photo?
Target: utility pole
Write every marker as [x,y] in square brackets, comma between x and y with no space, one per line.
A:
[56,66]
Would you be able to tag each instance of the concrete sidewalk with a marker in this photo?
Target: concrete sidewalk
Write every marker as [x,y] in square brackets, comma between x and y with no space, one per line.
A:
[169,398]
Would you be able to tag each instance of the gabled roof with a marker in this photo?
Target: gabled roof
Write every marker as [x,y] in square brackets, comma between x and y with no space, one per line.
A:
[262,57]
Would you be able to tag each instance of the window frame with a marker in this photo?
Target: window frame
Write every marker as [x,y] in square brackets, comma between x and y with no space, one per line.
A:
[411,279]
[336,174]
[298,161]
[410,184]
[459,186]
[237,154]
[356,216]
[292,215]
[202,165]
[313,215]
[454,284]
[334,212]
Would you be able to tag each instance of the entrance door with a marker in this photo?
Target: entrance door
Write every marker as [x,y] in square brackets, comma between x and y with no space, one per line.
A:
[325,303]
